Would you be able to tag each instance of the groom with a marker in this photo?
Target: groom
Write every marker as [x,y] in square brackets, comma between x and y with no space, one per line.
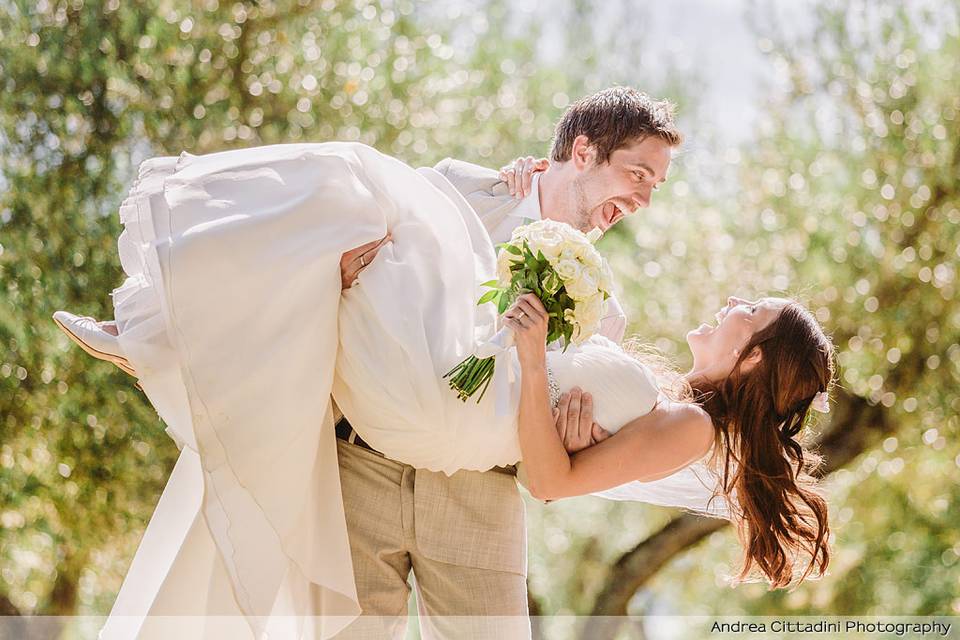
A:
[463,536]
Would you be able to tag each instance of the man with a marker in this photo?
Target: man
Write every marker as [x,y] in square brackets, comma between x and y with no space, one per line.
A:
[464,536]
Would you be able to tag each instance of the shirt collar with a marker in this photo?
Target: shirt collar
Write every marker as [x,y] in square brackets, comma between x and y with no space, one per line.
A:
[529,207]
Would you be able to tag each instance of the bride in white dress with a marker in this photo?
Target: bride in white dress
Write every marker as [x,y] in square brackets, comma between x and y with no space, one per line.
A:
[233,318]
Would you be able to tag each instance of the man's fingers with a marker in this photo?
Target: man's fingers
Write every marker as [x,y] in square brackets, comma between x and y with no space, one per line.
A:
[586,417]
[586,408]
[598,433]
[558,424]
[562,408]
[355,260]
[573,413]
[356,252]
[365,258]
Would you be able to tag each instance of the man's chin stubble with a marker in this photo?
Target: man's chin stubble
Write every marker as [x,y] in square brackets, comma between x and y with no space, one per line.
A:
[581,217]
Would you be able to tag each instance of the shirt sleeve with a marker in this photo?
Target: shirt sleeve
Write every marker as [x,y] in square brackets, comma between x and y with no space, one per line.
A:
[614,324]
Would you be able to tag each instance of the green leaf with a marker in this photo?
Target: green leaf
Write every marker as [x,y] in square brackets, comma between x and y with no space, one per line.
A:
[490,283]
[488,296]
[514,249]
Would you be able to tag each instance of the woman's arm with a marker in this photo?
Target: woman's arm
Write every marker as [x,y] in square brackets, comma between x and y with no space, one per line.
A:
[648,448]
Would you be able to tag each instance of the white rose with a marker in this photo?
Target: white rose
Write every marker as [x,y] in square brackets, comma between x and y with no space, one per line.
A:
[519,234]
[503,273]
[588,254]
[585,285]
[589,312]
[569,272]
[505,260]
[548,240]
[568,253]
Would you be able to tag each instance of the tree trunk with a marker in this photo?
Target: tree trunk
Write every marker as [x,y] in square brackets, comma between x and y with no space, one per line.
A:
[7,608]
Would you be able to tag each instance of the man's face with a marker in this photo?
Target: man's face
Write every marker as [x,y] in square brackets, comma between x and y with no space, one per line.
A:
[605,193]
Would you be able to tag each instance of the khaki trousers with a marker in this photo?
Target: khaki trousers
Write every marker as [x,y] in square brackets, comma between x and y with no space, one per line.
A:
[463,536]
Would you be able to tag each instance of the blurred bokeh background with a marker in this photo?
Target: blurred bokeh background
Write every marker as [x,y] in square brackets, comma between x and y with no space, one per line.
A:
[822,161]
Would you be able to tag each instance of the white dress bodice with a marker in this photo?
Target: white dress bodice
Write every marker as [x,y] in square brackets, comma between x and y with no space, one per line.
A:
[621,386]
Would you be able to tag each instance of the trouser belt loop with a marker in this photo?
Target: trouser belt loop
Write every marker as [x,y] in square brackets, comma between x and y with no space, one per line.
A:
[345,431]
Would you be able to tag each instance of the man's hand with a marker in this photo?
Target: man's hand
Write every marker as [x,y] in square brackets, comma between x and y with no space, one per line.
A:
[574,421]
[356,260]
[519,174]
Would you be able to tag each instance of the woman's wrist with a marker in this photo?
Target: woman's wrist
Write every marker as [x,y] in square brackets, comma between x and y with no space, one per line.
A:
[532,362]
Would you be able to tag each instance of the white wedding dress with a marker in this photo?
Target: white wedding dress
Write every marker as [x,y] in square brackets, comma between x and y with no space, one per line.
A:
[232,315]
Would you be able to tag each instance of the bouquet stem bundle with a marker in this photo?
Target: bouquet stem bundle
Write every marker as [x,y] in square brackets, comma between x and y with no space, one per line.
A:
[470,375]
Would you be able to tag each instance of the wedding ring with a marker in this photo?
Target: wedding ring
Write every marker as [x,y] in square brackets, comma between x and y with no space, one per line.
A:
[520,315]
[362,263]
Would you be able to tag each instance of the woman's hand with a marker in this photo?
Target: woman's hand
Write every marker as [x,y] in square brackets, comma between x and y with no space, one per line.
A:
[519,175]
[529,319]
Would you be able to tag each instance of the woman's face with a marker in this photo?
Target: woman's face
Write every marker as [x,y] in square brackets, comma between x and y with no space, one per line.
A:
[717,348]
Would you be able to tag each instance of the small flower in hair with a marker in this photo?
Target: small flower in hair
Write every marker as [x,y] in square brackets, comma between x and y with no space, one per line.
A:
[821,402]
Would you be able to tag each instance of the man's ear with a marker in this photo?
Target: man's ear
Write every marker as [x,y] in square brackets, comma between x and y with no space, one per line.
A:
[583,153]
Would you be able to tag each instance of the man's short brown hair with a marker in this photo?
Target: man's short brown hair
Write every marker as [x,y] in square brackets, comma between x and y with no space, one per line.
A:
[612,119]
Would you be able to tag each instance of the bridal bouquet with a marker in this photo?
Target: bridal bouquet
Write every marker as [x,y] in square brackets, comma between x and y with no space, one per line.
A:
[562,267]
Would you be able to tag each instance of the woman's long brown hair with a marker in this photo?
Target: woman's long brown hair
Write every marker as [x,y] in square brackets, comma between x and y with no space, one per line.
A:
[764,469]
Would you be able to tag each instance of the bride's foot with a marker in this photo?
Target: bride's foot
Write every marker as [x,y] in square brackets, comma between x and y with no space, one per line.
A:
[97,339]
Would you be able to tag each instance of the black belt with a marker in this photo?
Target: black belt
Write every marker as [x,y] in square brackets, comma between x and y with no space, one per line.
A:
[345,431]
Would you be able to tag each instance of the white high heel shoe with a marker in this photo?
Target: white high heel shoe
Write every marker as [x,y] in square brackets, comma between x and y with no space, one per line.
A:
[87,333]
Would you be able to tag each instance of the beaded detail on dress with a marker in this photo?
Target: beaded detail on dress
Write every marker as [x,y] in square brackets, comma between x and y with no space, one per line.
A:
[553,388]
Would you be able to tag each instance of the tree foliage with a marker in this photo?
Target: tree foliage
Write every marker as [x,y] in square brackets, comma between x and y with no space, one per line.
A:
[93,87]
[846,195]
[848,198]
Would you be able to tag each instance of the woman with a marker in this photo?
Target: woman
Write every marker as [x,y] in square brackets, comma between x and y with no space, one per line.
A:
[757,375]
[232,318]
